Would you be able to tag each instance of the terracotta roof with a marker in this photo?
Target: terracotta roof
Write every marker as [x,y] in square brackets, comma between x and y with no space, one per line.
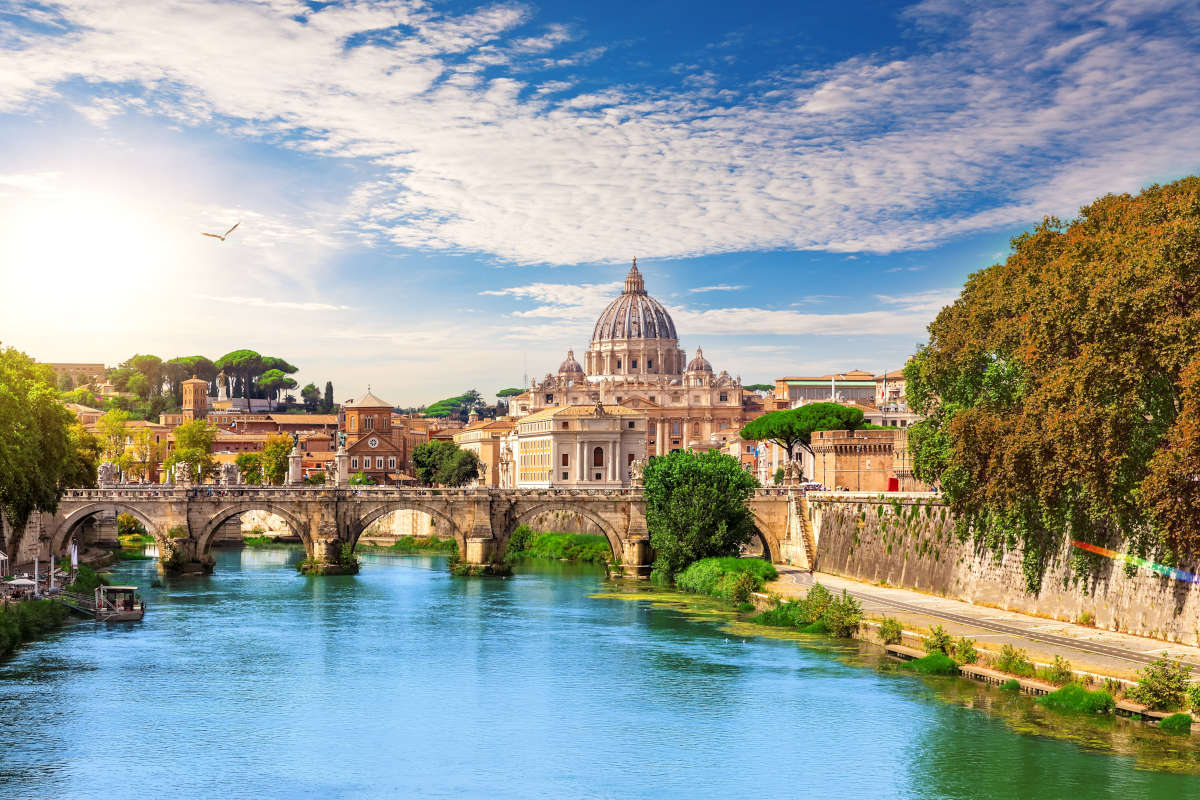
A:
[369,400]
[489,424]
[891,376]
[315,419]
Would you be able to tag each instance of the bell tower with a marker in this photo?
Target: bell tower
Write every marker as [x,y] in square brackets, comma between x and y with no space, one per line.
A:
[195,399]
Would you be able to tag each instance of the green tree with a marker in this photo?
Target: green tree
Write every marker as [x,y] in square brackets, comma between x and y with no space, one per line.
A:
[274,381]
[759,387]
[119,377]
[428,458]
[179,369]
[311,397]
[275,458]
[360,479]
[458,468]
[1059,388]
[193,444]
[142,453]
[245,365]
[250,467]
[83,397]
[37,452]
[459,407]
[328,405]
[151,368]
[139,385]
[81,467]
[696,508]
[793,427]
[65,384]
[114,434]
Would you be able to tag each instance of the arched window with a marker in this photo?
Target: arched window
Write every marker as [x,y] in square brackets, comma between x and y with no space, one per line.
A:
[598,457]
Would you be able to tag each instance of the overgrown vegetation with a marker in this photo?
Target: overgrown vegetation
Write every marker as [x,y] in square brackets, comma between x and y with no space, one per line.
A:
[1011,685]
[444,463]
[936,663]
[1061,391]
[890,631]
[1162,685]
[1015,661]
[696,508]
[964,651]
[1077,699]
[839,616]
[732,579]
[525,542]
[86,580]
[21,622]
[413,544]
[939,641]
[1059,672]
[1177,723]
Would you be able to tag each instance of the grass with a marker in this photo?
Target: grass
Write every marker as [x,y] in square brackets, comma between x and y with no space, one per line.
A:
[21,622]
[258,541]
[414,544]
[841,616]
[590,548]
[86,580]
[1011,685]
[1177,723]
[135,539]
[1077,699]
[726,578]
[936,663]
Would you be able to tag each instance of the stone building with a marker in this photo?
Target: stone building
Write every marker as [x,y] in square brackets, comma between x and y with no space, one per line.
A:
[855,386]
[195,399]
[858,461]
[377,448]
[634,360]
[574,447]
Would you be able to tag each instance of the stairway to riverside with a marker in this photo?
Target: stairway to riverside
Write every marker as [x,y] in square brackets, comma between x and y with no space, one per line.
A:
[800,522]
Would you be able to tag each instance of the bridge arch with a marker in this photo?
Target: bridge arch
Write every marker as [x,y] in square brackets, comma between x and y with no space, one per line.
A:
[62,535]
[204,542]
[387,507]
[770,542]
[526,516]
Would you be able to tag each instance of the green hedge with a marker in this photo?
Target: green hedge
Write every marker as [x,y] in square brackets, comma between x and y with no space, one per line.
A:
[1074,697]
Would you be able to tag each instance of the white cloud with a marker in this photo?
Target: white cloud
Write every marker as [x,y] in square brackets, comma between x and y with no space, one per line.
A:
[262,302]
[563,301]
[1043,105]
[720,287]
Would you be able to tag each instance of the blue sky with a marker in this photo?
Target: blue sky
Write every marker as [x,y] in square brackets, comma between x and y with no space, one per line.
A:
[438,196]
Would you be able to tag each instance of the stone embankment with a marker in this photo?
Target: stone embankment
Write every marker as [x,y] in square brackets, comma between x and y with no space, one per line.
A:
[909,542]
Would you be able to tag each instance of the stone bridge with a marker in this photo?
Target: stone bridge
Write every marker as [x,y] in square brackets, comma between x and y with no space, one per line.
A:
[185,521]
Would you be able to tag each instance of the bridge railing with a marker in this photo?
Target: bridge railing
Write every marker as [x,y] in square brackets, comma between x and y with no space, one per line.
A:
[168,492]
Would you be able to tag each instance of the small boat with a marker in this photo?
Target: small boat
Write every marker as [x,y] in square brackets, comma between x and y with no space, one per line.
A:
[119,604]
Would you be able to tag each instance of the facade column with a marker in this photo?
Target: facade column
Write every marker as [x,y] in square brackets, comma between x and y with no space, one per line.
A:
[580,468]
[618,468]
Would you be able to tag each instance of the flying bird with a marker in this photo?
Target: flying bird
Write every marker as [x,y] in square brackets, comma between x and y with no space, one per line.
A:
[222,236]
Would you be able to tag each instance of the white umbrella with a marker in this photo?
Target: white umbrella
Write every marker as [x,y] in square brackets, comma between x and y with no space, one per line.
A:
[21,582]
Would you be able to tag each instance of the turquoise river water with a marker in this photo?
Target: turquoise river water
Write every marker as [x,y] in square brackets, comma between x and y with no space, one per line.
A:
[403,682]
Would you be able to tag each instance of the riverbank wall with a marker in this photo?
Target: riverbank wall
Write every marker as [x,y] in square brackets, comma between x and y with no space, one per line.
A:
[908,541]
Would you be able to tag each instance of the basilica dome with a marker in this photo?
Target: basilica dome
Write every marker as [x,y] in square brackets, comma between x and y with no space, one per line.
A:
[699,363]
[570,367]
[634,315]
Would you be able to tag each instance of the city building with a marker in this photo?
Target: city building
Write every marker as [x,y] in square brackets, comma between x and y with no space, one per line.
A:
[854,386]
[634,361]
[376,447]
[485,438]
[889,389]
[858,461]
[80,372]
[574,446]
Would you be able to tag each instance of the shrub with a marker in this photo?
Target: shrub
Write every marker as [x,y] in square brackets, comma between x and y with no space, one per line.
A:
[177,532]
[521,536]
[129,525]
[1162,685]
[818,627]
[585,547]
[1087,618]
[843,616]
[965,652]
[1011,685]
[86,580]
[936,663]
[1177,723]
[1075,698]
[939,641]
[1059,672]
[890,631]
[1014,661]
[24,621]
[1193,695]
[793,614]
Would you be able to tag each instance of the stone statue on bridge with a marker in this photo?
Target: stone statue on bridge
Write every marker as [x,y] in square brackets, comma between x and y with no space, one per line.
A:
[636,470]
[229,475]
[106,475]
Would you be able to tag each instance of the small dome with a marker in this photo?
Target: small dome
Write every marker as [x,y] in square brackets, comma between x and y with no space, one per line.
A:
[699,363]
[570,366]
[634,314]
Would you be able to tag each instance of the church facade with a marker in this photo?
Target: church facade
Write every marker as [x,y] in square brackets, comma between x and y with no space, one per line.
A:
[634,361]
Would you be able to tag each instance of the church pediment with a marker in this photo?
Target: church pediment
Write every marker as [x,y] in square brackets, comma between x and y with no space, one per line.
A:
[637,401]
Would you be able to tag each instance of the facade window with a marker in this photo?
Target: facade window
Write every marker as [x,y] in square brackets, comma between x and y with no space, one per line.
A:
[630,461]
[631,424]
[566,425]
[618,398]
[549,398]
[564,476]
[651,428]
[633,364]
[652,400]
[566,460]
[724,397]
[370,423]
[676,428]
[618,363]
[391,462]
[650,363]
[598,457]
[353,424]
[354,463]
[378,462]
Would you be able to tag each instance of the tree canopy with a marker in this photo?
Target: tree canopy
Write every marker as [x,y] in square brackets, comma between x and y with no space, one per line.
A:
[1062,387]
[273,459]
[509,392]
[39,455]
[193,444]
[459,407]
[793,427]
[696,508]
[759,387]
[444,463]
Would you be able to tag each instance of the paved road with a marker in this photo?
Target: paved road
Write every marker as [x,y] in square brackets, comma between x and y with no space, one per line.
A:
[979,620]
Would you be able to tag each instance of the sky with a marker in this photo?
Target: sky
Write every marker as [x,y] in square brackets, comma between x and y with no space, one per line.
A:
[437,196]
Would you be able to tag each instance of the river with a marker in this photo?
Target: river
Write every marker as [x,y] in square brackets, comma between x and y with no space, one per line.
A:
[402,681]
